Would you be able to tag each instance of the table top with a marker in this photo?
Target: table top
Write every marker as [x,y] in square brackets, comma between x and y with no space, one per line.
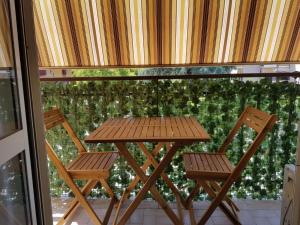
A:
[149,129]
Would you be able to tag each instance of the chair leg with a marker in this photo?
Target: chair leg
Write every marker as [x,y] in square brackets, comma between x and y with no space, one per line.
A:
[123,198]
[113,200]
[83,202]
[179,207]
[69,181]
[214,205]
[75,203]
[107,188]
[192,214]
[190,198]
[217,187]
[109,210]
[188,203]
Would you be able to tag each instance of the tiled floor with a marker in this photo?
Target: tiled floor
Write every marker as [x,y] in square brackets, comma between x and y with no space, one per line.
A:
[252,212]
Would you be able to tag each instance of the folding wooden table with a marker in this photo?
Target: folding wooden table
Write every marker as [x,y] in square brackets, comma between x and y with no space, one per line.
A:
[175,132]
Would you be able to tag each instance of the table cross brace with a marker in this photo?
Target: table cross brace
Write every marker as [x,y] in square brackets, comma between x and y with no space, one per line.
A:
[149,182]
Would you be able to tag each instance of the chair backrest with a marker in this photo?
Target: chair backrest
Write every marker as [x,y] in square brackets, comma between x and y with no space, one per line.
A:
[55,118]
[52,119]
[259,121]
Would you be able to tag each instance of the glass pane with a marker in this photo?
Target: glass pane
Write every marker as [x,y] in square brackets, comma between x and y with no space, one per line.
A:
[9,107]
[14,204]
[9,104]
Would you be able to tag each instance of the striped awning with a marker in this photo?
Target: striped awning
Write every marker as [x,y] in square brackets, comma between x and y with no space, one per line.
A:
[89,33]
[5,38]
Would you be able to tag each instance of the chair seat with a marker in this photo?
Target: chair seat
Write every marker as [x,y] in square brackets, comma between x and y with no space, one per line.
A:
[210,166]
[92,165]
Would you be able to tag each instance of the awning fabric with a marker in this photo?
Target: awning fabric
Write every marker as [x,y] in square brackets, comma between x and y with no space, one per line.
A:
[75,33]
[5,38]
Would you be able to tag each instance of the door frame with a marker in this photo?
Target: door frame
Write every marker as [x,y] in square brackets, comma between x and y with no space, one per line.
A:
[17,142]
[34,115]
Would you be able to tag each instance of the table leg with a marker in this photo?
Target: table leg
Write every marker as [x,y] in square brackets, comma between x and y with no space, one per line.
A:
[153,161]
[135,181]
[144,167]
[149,182]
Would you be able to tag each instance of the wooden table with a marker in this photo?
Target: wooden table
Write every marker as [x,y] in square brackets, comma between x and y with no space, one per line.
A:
[174,132]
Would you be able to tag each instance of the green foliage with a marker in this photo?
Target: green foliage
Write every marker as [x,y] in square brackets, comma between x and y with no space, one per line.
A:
[216,103]
[103,72]
[151,71]
[185,70]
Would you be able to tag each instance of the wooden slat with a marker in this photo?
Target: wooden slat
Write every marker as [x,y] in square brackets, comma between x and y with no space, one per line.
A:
[180,127]
[150,131]
[186,127]
[112,159]
[207,165]
[154,129]
[226,162]
[196,165]
[255,119]
[105,161]
[76,163]
[53,118]
[190,124]
[157,132]
[212,160]
[118,134]
[259,114]
[131,131]
[107,131]
[202,164]
[93,161]
[98,164]
[163,131]
[144,132]
[222,164]
[218,165]
[187,163]
[99,132]
[253,123]
[138,132]
[152,121]
[81,163]
[175,130]
[87,163]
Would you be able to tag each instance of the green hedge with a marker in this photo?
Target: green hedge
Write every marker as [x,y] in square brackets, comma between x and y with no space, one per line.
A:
[215,102]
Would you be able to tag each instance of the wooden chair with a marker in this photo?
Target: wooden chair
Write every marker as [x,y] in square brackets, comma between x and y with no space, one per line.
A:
[90,166]
[214,173]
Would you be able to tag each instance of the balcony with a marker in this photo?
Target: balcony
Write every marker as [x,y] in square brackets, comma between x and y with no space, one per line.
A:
[216,103]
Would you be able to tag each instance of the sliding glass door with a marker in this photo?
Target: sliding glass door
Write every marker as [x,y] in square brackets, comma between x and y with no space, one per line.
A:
[17,205]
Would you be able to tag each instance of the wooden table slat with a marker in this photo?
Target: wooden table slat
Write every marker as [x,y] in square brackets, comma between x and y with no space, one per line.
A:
[150,129]
[190,124]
